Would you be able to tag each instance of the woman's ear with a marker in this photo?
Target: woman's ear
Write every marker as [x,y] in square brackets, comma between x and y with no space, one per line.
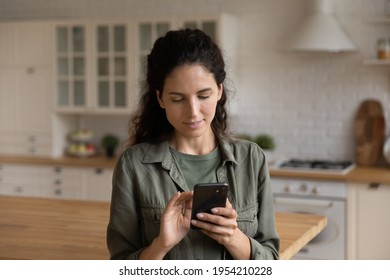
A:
[159,99]
[220,91]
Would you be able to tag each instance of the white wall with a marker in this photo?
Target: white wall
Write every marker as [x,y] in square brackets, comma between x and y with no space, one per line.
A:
[307,101]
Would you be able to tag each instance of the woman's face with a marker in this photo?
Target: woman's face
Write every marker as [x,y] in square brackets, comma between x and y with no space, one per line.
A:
[190,97]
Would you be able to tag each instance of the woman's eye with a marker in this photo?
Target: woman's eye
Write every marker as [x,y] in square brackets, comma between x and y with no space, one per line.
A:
[204,96]
[177,100]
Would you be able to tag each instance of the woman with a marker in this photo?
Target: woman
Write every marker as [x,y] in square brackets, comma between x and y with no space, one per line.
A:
[180,139]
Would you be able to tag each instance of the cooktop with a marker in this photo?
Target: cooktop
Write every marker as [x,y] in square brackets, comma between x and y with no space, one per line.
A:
[317,165]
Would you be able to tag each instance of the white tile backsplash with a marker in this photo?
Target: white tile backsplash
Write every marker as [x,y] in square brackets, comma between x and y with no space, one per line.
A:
[306,101]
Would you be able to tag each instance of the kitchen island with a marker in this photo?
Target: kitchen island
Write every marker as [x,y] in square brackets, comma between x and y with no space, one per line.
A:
[53,229]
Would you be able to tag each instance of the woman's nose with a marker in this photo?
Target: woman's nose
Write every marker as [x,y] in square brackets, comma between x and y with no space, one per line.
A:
[193,107]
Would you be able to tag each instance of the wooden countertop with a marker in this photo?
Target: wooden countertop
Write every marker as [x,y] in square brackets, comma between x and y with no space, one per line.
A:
[49,229]
[358,174]
[94,161]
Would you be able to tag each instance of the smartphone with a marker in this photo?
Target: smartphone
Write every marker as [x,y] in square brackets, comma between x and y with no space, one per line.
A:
[207,196]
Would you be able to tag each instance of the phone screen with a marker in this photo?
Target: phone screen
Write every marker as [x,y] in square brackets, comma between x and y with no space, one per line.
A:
[207,196]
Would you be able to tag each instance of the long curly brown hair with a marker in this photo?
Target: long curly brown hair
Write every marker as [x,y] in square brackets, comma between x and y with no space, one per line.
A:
[176,48]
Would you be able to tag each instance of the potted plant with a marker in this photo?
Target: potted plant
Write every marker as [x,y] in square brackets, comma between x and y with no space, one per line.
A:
[265,141]
[110,142]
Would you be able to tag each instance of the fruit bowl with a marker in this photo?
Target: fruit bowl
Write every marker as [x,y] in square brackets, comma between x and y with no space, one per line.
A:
[81,150]
[83,135]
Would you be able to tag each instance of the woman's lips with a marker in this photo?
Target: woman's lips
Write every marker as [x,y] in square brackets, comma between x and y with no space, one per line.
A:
[193,125]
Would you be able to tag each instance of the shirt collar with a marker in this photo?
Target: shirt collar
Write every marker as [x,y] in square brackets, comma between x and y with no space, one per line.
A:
[160,153]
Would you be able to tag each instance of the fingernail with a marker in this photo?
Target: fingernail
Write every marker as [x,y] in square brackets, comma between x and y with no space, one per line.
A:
[194,222]
[214,210]
[200,215]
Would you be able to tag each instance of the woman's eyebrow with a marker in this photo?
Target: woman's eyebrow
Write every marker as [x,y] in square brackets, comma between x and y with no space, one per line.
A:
[182,94]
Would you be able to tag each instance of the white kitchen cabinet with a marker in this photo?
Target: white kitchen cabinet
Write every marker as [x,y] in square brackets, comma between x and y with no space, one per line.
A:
[62,182]
[148,31]
[112,66]
[222,28]
[25,111]
[19,180]
[25,43]
[98,184]
[25,93]
[33,43]
[368,221]
[41,181]
[93,67]
[8,85]
[100,64]
[7,43]
[57,182]
[71,66]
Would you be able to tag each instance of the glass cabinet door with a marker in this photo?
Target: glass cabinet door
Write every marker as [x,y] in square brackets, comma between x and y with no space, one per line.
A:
[148,32]
[71,66]
[208,26]
[111,61]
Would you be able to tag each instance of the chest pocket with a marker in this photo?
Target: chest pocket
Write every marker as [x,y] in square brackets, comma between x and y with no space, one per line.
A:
[247,220]
[151,217]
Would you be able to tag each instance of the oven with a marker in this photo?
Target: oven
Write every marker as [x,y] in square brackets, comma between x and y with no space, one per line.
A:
[320,197]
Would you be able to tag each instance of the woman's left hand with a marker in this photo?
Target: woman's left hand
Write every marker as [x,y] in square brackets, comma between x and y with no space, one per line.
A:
[222,226]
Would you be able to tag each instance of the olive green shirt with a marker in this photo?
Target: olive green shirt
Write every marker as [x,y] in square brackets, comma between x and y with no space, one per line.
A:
[146,177]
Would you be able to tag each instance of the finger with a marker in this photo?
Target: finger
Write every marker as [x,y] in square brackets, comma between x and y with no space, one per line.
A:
[228,204]
[224,211]
[213,219]
[179,198]
[211,228]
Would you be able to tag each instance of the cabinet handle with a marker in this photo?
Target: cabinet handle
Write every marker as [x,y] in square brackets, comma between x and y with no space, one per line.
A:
[58,192]
[19,189]
[32,139]
[58,170]
[99,171]
[30,70]
[374,186]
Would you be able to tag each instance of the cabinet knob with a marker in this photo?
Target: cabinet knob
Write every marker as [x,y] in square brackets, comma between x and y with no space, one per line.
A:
[99,171]
[58,192]
[19,189]
[316,190]
[287,189]
[32,139]
[303,188]
[30,70]
[58,170]
[374,186]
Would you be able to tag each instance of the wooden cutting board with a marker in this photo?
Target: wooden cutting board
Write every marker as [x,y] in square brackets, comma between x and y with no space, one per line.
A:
[369,129]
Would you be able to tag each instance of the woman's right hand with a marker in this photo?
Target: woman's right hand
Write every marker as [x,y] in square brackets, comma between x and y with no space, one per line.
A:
[175,221]
[174,226]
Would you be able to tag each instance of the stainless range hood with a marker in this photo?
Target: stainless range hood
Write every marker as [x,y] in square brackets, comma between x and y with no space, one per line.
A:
[320,31]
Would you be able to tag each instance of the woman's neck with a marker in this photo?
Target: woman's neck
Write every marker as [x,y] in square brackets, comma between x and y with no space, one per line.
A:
[194,146]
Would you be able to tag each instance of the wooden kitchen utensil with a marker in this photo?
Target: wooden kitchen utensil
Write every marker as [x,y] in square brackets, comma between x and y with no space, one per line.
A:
[369,132]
